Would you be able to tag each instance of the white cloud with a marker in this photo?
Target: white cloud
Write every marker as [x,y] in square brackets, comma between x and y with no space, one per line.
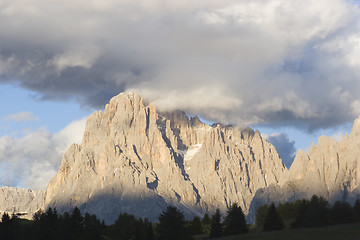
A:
[338,136]
[355,106]
[32,160]
[72,133]
[205,96]
[21,117]
[78,57]
[277,62]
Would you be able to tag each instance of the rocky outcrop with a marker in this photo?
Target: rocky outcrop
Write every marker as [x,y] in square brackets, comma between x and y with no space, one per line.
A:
[21,202]
[331,169]
[136,159]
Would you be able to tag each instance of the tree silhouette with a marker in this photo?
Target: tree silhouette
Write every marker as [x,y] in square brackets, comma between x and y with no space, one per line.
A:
[261,213]
[92,227]
[124,227]
[206,224]
[172,225]
[235,222]
[300,218]
[65,226]
[47,223]
[149,230]
[317,213]
[196,227]
[127,226]
[5,226]
[356,209]
[77,221]
[313,213]
[5,219]
[216,226]
[272,220]
[342,212]
[288,211]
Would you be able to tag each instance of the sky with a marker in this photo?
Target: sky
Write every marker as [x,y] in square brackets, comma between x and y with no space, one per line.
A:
[288,68]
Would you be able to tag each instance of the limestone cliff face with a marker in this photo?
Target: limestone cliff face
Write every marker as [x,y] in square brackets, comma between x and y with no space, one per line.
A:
[20,201]
[136,159]
[331,169]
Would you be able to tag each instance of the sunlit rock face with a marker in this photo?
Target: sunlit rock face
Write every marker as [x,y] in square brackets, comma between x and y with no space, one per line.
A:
[21,202]
[138,160]
[331,169]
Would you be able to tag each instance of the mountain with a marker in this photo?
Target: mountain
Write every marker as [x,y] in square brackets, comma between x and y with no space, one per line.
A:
[330,169]
[20,201]
[136,159]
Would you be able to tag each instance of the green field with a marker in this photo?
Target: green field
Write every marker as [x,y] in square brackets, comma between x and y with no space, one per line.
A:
[336,232]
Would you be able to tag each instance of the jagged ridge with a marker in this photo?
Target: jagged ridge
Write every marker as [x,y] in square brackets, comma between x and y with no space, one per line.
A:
[136,159]
[331,170]
[20,201]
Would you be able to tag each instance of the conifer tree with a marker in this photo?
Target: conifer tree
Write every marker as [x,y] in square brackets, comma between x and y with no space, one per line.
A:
[357,209]
[92,227]
[124,227]
[77,221]
[235,222]
[216,226]
[149,230]
[342,212]
[172,225]
[206,224]
[272,220]
[316,213]
[261,213]
[5,226]
[196,227]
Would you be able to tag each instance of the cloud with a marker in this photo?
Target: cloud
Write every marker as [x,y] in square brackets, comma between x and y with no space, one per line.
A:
[273,63]
[356,107]
[284,146]
[77,57]
[21,117]
[338,137]
[32,160]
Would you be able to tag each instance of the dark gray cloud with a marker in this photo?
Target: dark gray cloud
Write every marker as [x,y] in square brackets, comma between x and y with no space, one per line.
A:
[273,63]
[284,146]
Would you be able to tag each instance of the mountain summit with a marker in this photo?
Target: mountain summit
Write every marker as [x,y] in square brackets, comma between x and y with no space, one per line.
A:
[136,159]
[330,169]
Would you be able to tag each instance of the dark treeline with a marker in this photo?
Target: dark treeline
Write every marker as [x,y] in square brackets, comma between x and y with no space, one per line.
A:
[234,223]
[172,224]
[315,212]
[51,225]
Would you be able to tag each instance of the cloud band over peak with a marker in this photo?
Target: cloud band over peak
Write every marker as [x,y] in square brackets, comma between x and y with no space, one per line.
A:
[277,62]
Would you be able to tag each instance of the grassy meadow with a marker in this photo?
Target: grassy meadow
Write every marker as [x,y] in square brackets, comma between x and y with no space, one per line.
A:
[335,232]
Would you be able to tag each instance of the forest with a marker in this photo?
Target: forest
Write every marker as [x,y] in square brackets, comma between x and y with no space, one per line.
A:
[301,214]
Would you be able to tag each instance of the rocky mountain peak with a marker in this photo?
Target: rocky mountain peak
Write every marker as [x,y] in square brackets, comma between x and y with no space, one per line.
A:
[331,169]
[136,159]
